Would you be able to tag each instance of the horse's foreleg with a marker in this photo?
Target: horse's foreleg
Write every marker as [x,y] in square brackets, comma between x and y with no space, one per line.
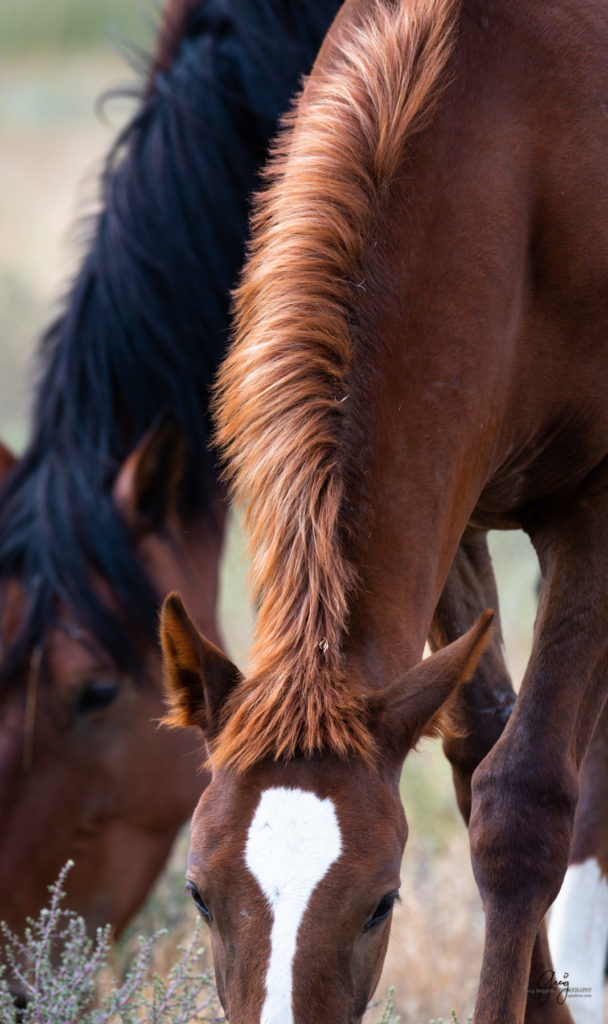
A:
[525,790]
[578,925]
[486,702]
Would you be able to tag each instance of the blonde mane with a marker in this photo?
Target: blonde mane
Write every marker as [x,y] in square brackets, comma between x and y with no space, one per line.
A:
[281,390]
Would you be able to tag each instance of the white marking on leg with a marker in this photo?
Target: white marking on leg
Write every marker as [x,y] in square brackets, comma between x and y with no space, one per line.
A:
[578,932]
[293,840]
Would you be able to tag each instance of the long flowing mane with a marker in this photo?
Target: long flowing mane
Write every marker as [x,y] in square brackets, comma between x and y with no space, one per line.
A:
[281,396]
[147,317]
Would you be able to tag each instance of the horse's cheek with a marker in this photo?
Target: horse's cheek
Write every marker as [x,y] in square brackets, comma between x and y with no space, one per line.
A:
[368,962]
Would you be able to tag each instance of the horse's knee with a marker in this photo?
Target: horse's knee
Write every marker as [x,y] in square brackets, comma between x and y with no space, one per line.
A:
[520,829]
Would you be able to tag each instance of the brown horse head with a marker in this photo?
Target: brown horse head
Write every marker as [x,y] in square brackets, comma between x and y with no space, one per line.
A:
[294,863]
[80,750]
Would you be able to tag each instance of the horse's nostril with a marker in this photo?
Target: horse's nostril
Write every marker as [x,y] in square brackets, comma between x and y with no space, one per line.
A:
[20,1001]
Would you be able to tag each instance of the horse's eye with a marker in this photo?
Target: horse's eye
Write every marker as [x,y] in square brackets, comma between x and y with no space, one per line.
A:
[382,911]
[200,903]
[96,694]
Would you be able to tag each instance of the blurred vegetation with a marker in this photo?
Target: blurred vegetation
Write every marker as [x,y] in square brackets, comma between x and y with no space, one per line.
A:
[57,59]
[27,26]
[67,978]
[71,978]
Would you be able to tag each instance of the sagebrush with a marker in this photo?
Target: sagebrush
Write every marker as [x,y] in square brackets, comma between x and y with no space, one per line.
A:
[65,977]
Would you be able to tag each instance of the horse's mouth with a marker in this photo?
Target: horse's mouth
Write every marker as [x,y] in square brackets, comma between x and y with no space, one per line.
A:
[20,1001]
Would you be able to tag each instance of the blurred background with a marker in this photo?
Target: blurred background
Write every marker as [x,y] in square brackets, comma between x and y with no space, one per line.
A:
[57,59]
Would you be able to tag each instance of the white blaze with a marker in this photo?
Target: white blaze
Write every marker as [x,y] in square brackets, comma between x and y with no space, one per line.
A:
[293,840]
[578,930]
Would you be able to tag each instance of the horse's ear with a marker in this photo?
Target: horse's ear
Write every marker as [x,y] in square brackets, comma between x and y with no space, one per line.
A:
[419,704]
[7,461]
[198,677]
[147,485]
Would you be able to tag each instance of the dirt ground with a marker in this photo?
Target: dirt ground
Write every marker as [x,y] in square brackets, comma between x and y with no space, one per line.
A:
[51,141]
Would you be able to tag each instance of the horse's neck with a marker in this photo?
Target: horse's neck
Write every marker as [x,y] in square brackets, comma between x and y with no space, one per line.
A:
[418,507]
[425,454]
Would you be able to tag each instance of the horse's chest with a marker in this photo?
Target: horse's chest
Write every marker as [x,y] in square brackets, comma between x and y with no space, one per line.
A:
[550,463]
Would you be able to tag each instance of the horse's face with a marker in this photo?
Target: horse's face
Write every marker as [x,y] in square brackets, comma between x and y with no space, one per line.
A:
[80,758]
[295,867]
[295,864]
[85,773]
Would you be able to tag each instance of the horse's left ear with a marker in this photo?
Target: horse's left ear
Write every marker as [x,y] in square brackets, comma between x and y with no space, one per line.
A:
[198,677]
[146,488]
[419,704]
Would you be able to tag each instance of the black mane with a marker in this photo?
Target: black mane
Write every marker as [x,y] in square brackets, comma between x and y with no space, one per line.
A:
[147,317]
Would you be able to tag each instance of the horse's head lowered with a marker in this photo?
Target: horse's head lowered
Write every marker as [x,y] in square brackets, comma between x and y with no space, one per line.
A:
[80,751]
[294,863]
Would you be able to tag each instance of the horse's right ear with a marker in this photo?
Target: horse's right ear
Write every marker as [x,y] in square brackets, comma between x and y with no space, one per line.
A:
[147,485]
[7,461]
[198,677]
[418,704]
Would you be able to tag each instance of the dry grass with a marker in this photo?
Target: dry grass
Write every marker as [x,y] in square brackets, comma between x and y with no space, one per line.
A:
[436,941]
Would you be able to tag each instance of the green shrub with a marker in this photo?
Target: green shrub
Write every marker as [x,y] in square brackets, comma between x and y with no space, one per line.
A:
[388,1016]
[453,1018]
[64,25]
[58,968]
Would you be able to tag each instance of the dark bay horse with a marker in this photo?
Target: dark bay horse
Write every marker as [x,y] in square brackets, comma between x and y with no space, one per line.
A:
[116,500]
[420,355]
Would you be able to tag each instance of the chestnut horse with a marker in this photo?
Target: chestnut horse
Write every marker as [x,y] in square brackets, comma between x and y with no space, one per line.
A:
[106,510]
[420,355]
